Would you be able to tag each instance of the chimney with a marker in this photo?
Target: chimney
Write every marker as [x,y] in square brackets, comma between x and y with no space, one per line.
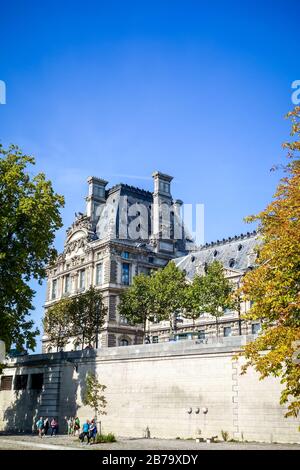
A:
[96,196]
[161,195]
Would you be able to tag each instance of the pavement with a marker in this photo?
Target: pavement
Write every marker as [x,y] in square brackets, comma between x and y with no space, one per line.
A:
[29,442]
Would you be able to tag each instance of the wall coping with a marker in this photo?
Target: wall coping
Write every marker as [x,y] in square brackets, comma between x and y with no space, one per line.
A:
[213,346]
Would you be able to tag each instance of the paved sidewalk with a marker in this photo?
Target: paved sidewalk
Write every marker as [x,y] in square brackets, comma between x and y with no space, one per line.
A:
[23,442]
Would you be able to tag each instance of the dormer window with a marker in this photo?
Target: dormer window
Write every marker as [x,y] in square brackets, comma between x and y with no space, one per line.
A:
[215,253]
[240,247]
[99,191]
[164,186]
[231,263]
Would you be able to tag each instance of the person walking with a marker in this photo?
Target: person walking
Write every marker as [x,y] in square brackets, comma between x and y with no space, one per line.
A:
[85,432]
[70,426]
[46,426]
[54,427]
[76,426]
[40,426]
[93,431]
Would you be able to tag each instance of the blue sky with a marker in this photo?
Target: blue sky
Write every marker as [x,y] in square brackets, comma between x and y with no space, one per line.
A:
[191,88]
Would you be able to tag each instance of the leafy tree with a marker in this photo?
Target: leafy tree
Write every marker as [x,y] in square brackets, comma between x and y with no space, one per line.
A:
[168,286]
[137,302]
[210,293]
[29,218]
[194,299]
[79,317]
[58,323]
[274,286]
[88,315]
[93,395]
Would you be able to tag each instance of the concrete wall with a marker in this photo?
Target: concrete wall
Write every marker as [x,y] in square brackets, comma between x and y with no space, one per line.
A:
[156,386]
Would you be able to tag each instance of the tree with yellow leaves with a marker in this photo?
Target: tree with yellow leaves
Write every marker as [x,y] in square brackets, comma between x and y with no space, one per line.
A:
[274,286]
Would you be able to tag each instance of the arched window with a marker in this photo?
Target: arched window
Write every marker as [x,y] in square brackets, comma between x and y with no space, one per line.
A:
[231,263]
[124,342]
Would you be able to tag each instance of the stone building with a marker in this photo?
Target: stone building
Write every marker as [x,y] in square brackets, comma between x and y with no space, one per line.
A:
[127,231]
[237,255]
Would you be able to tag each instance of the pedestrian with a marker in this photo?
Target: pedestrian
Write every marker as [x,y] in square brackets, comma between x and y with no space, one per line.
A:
[76,426]
[70,426]
[85,432]
[54,427]
[40,426]
[46,426]
[93,431]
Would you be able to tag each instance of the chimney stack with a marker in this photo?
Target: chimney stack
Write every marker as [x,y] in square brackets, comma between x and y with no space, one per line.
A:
[96,196]
[161,195]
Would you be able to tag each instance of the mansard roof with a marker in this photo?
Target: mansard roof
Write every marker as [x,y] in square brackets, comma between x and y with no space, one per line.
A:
[126,189]
[235,253]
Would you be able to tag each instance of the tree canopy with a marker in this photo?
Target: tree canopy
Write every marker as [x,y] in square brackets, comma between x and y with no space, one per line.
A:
[274,286]
[79,317]
[136,302]
[29,218]
[166,295]
[209,293]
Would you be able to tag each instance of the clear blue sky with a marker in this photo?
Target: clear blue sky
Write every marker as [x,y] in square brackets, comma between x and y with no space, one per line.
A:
[194,89]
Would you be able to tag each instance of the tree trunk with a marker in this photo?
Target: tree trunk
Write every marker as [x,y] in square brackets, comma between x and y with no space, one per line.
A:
[217,327]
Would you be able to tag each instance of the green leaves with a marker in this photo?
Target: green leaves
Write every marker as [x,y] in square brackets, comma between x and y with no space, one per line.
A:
[93,395]
[79,318]
[274,286]
[209,293]
[166,293]
[29,218]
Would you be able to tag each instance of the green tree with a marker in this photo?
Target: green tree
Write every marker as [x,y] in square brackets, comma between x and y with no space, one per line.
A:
[137,301]
[168,286]
[79,318]
[274,286]
[58,323]
[88,315]
[29,218]
[93,395]
[210,293]
[194,299]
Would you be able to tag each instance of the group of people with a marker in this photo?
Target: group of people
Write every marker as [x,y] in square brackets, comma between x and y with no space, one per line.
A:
[89,429]
[44,424]
[73,426]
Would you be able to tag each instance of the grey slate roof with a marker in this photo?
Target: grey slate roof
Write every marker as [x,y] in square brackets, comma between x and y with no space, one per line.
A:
[235,253]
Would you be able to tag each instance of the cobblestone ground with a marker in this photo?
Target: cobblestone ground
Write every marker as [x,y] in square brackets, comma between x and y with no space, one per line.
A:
[28,442]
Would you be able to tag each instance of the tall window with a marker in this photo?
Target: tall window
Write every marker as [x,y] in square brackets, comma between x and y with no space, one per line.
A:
[255,328]
[67,283]
[54,289]
[82,279]
[125,274]
[99,274]
[227,331]
[201,334]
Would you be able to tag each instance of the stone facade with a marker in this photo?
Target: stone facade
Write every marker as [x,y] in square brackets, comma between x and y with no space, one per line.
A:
[175,389]
[127,231]
[237,255]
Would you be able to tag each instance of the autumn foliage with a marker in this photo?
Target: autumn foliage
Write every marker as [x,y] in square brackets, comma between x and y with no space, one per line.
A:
[274,286]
